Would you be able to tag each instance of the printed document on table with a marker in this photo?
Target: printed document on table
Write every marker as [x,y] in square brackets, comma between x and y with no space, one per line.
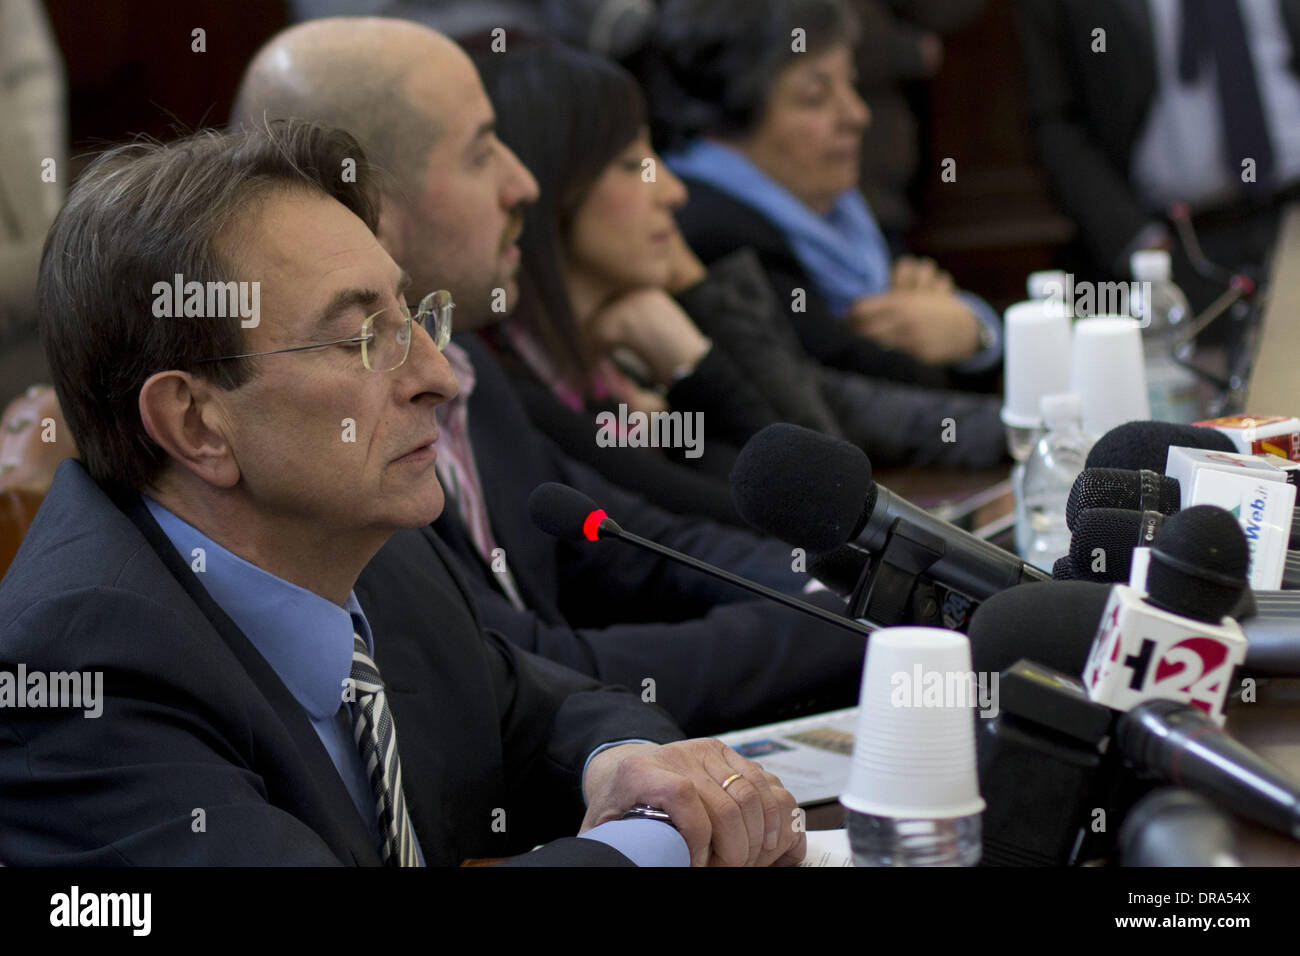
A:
[811,755]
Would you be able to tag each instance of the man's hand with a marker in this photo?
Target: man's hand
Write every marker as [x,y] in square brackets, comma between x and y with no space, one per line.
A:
[653,325]
[935,327]
[750,823]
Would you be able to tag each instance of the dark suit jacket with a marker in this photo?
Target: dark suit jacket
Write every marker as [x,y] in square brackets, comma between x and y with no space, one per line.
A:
[1087,109]
[194,718]
[720,658]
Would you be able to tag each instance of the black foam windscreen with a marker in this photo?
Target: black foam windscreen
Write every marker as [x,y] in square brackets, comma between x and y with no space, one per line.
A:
[1198,563]
[1122,488]
[560,510]
[1052,623]
[801,486]
[1101,548]
[1063,569]
[1146,444]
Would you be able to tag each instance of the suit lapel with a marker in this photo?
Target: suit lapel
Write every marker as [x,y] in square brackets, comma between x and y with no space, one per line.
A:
[335,816]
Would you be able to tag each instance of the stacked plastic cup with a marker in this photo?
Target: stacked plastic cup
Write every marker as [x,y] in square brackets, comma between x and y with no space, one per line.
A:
[1108,372]
[1036,363]
[913,792]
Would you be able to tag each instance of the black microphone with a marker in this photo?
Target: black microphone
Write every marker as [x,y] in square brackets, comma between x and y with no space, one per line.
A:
[1112,533]
[1139,445]
[570,515]
[1176,827]
[1172,741]
[1054,625]
[841,569]
[1142,490]
[1138,490]
[1101,547]
[816,492]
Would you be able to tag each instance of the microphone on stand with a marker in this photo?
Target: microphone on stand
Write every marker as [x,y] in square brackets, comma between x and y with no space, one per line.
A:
[816,492]
[570,515]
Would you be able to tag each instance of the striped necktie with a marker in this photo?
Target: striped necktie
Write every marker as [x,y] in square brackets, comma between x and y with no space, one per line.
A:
[376,737]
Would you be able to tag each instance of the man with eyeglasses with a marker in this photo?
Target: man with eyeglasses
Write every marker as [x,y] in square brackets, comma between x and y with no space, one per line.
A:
[451,210]
[202,564]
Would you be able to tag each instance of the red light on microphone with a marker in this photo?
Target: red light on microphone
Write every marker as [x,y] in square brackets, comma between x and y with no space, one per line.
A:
[591,527]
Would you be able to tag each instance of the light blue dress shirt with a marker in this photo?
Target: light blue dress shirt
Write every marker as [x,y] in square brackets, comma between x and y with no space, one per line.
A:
[307,640]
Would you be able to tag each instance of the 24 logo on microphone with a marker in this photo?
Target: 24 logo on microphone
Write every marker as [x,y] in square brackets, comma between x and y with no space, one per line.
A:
[1142,652]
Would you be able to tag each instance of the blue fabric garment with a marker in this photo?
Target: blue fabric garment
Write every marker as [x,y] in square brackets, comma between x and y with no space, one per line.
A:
[844,252]
[307,640]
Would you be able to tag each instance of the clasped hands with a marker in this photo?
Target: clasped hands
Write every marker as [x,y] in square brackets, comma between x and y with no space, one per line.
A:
[752,822]
[920,315]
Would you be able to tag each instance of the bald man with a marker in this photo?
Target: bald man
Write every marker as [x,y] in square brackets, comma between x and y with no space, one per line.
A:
[450,214]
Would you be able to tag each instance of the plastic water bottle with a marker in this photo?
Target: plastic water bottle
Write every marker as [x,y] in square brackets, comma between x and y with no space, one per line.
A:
[886,841]
[1050,471]
[1046,285]
[1164,313]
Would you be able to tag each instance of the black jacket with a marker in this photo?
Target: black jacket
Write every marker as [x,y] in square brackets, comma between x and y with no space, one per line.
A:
[1087,109]
[719,658]
[894,423]
[194,717]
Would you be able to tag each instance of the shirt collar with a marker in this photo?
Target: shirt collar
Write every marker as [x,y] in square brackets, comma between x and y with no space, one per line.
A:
[306,639]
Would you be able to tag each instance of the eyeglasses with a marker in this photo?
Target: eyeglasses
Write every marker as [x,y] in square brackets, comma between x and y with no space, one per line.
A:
[385,337]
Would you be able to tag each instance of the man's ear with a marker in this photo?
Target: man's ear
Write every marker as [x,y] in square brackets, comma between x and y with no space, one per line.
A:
[182,414]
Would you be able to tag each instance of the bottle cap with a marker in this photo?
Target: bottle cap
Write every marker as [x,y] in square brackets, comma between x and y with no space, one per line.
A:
[1150,265]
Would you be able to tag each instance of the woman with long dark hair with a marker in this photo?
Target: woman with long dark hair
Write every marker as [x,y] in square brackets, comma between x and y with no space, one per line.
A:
[614,307]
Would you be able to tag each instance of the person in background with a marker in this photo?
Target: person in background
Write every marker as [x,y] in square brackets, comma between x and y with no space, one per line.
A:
[1137,104]
[755,100]
[451,211]
[33,171]
[605,269]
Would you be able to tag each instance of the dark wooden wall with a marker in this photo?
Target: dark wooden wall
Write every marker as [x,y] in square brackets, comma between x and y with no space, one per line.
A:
[131,68]
[997,222]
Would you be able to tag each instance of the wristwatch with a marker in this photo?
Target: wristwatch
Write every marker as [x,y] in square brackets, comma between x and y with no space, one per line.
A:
[644,811]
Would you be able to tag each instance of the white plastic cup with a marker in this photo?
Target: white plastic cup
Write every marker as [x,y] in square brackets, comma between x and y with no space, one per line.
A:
[1109,373]
[1037,358]
[1047,284]
[913,758]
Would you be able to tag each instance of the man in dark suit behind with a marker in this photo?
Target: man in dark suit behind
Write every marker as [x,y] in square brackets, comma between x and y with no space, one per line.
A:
[1129,115]
[230,347]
